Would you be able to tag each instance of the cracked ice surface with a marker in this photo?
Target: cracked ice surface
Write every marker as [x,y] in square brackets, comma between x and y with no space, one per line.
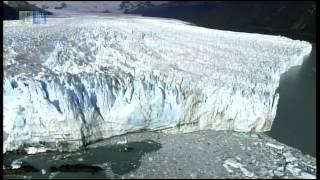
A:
[85,78]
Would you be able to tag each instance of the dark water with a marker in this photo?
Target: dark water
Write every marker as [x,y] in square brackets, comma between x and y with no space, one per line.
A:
[84,164]
[295,122]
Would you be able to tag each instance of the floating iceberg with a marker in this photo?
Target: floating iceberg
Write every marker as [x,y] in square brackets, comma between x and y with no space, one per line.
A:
[80,79]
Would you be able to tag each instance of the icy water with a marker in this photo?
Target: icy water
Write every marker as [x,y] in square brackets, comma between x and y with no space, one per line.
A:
[94,163]
[295,122]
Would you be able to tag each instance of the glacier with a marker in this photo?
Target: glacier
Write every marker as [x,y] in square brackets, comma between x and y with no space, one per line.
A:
[80,79]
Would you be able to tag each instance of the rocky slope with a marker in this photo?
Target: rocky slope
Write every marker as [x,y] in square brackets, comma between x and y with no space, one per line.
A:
[202,154]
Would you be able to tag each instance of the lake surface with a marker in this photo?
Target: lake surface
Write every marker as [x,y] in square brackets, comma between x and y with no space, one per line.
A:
[295,122]
[109,161]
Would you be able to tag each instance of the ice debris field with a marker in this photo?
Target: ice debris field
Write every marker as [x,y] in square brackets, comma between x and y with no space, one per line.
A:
[80,79]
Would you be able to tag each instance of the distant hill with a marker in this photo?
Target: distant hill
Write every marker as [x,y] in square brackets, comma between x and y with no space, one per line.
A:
[177,10]
[12,8]
[10,13]
[294,19]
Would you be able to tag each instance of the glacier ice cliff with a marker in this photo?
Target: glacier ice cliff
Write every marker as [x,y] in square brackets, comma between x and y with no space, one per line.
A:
[80,79]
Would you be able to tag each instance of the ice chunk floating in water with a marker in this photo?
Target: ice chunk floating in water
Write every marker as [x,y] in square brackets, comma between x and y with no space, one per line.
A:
[76,80]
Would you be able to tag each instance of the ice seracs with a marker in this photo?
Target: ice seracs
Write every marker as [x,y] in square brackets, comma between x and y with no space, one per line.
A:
[76,80]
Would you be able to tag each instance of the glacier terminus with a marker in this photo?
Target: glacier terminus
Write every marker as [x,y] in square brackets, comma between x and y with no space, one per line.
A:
[80,79]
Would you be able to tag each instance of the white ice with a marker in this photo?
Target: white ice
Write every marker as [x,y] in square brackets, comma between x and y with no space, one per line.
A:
[85,78]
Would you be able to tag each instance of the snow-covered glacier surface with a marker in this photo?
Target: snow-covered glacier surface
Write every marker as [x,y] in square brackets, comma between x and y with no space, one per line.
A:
[77,80]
